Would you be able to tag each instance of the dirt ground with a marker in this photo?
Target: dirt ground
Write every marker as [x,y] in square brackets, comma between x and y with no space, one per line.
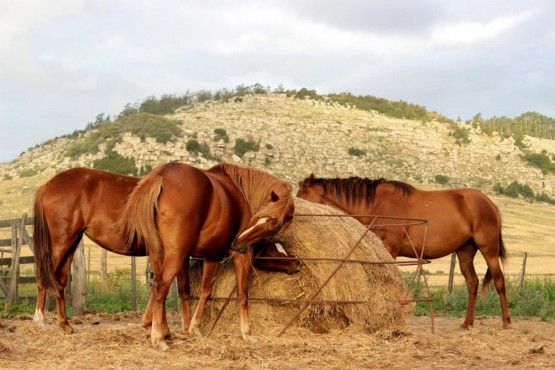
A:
[118,341]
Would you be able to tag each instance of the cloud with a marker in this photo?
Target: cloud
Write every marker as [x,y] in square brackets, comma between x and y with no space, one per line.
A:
[467,32]
[64,61]
[18,17]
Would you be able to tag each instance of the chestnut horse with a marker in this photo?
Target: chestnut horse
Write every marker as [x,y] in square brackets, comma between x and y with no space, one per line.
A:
[178,211]
[459,220]
[84,201]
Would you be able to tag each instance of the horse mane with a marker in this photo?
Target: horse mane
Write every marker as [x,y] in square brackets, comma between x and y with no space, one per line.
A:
[256,187]
[358,189]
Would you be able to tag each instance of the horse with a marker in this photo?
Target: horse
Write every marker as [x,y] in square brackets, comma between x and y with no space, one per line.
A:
[85,201]
[459,220]
[178,211]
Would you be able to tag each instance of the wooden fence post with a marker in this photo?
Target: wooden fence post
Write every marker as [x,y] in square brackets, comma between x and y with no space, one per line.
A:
[523,272]
[451,272]
[16,251]
[79,290]
[133,283]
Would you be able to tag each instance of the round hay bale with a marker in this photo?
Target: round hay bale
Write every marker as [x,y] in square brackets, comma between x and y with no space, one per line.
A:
[379,287]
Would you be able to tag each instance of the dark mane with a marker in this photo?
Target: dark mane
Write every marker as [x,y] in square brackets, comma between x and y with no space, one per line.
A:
[356,189]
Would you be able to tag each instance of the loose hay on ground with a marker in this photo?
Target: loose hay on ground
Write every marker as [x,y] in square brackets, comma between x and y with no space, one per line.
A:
[380,287]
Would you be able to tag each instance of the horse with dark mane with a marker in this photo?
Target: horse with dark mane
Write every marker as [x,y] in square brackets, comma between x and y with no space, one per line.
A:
[85,201]
[178,211]
[459,220]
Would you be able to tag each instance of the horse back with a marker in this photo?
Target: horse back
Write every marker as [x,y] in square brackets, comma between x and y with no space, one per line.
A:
[199,205]
[82,199]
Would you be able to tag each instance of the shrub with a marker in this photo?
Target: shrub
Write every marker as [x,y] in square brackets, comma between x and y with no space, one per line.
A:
[139,124]
[115,162]
[28,172]
[192,146]
[540,160]
[441,179]
[196,148]
[460,134]
[221,134]
[242,146]
[356,152]
[514,190]
[7,176]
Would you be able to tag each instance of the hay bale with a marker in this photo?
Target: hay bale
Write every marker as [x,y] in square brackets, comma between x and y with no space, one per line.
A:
[381,287]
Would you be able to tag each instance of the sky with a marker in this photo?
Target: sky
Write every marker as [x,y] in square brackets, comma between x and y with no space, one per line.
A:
[63,62]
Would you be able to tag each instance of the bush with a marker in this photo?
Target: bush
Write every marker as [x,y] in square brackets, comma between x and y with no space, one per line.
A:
[441,179]
[139,124]
[540,160]
[242,146]
[28,172]
[196,148]
[221,134]
[356,152]
[114,162]
[514,190]
[460,134]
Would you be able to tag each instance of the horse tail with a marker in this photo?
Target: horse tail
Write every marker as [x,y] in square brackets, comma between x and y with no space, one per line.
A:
[503,257]
[139,216]
[43,246]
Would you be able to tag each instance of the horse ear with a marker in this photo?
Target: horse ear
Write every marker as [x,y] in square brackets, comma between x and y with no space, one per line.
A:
[309,180]
[274,196]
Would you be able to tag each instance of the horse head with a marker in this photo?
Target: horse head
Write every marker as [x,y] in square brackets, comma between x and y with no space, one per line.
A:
[311,190]
[276,211]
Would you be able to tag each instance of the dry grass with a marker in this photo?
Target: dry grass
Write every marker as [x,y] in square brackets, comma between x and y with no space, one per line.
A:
[119,342]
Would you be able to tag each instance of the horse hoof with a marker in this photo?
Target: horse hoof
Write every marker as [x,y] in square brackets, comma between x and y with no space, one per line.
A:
[250,339]
[41,323]
[507,325]
[466,326]
[195,332]
[162,346]
[67,329]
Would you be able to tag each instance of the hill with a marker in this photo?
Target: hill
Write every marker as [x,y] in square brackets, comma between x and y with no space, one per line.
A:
[292,137]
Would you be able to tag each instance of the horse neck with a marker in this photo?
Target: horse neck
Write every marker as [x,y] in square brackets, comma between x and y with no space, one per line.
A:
[339,202]
[253,184]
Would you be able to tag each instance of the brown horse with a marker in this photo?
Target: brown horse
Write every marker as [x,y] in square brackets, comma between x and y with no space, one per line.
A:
[459,220]
[179,211]
[84,201]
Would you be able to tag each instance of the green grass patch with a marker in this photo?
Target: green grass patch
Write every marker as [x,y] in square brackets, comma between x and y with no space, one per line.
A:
[537,299]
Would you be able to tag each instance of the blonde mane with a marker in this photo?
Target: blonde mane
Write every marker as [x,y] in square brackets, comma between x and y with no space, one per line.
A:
[256,187]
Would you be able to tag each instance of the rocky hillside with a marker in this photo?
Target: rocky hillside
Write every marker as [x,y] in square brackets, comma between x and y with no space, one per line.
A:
[295,137]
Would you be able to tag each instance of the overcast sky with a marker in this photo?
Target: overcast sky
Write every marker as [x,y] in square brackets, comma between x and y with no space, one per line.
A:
[62,62]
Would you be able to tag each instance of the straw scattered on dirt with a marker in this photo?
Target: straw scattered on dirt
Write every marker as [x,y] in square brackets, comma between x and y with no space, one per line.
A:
[119,341]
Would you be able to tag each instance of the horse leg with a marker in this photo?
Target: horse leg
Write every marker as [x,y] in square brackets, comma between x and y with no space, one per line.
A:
[209,269]
[63,277]
[160,288]
[494,267]
[184,289]
[39,319]
[466,262]
[147,317]
[243,264]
